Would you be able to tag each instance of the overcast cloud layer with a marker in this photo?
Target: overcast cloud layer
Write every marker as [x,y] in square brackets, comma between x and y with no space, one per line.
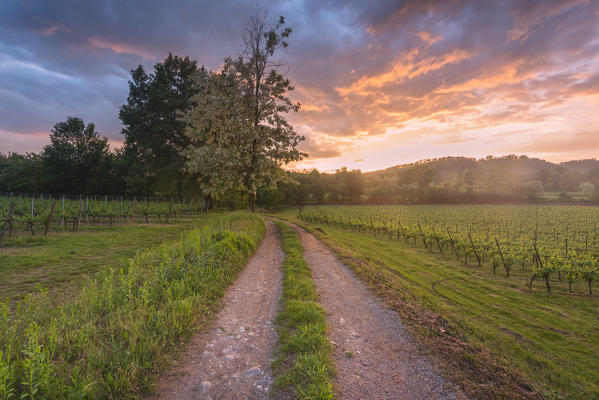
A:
[380,82]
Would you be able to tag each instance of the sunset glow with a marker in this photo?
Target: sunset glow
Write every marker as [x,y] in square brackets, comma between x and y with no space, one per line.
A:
[380,83]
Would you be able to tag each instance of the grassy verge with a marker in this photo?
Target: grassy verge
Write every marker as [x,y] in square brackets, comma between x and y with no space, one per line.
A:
[111,337]
[494,336]
[62,259]
[303,368]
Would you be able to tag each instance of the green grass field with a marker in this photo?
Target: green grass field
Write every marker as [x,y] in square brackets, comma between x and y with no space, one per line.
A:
[113,335]
[62,259]
[550,339]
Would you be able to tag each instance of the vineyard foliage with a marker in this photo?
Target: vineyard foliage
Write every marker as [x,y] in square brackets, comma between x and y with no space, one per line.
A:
[31,212]
[544,241]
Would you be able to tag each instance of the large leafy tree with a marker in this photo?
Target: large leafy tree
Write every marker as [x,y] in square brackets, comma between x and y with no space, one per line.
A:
[240,137]
[154,134]
[74,158]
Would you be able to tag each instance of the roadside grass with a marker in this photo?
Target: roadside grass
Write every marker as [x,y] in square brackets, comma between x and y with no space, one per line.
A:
[303,368]
[489,330]
[63,259]
[110,338]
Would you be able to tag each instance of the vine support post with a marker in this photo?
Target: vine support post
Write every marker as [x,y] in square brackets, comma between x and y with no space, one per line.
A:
[422,233]
[437,240]
[170,210]
[474,249]
[49,221]
[507,271]
[79,213]
[545,274]
[403,232]
[452,243]
[6,223]
[133,210]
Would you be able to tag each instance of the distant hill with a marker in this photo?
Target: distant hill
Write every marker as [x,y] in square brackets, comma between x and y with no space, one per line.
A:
[507,178]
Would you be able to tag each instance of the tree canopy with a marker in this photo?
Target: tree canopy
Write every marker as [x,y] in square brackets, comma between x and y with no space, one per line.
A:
[240,137]
[154,133]
[74,156]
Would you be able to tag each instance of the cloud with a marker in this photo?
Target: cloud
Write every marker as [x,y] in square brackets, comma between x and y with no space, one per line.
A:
[119,48]
[560,142]
[362,70]
[317,148]
[52,29]
[22,142]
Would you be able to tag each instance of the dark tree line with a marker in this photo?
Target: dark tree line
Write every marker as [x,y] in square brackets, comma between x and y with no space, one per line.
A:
[78,159]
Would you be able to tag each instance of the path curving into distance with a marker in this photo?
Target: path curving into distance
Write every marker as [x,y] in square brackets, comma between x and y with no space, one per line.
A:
[374,354]
[232,360]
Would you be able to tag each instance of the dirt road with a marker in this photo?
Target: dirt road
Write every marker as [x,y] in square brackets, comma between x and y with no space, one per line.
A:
[375,356]
[232,360]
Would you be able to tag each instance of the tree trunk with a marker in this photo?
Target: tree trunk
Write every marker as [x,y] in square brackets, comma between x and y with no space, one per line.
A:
[252,201]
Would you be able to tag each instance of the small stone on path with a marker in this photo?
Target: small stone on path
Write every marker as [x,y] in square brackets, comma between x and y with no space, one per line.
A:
[252,372]
[205,386]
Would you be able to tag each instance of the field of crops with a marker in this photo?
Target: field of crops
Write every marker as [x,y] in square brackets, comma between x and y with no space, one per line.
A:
[557,242]
[33,213]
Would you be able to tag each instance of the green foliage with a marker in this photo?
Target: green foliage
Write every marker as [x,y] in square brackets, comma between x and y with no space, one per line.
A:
[73,159]
[564,237]
[237,128]
[304,362]
[110,338]
[154,135]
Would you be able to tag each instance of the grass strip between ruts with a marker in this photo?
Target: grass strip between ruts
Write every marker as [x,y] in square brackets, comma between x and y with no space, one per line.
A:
[303,368]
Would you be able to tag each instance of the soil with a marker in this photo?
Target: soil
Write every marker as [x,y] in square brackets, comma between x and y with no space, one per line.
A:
[232,360]
[375,356]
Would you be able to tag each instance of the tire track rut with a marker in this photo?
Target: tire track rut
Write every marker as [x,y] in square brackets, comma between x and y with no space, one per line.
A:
[232,360]
[374,354]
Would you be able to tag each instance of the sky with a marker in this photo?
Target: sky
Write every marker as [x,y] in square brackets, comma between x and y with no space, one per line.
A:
[381,83]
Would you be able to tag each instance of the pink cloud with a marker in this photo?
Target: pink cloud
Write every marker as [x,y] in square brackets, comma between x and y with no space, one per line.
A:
[119,48]
[52,29]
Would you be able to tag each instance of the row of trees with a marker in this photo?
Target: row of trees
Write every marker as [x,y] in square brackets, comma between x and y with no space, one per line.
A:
[187,130]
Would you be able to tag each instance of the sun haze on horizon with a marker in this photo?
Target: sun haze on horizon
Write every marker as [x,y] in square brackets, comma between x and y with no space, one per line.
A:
[380,84]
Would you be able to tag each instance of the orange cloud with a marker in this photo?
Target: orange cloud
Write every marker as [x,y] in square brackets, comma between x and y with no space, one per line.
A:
[506,74]
[405,68]
[428,37]
[119,48]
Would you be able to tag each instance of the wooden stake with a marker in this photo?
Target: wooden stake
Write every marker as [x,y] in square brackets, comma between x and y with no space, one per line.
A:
[507,271]
[6,223]
[49,221]
[133,210]
[474,249]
